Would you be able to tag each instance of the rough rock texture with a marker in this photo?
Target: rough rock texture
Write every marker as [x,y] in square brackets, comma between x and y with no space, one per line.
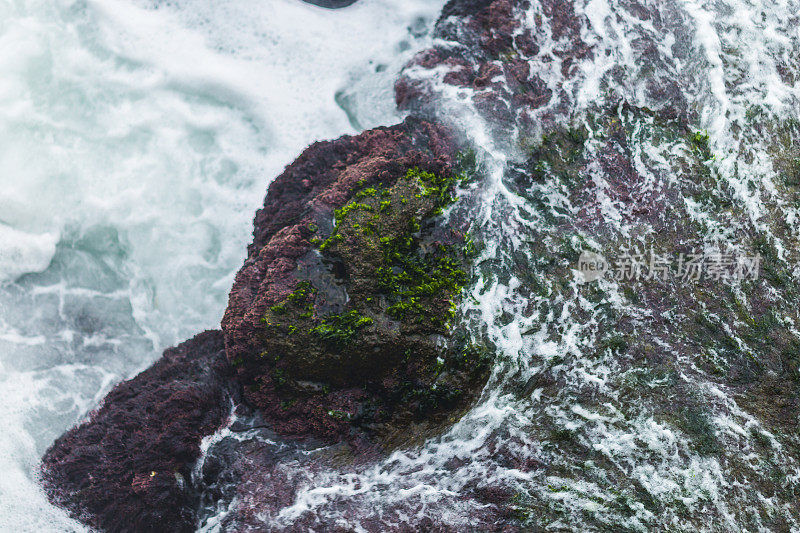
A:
[334,326]
[731,331]
[128,468]
[492,52]
[517,61]
[492,58]
[337,320]
[248,474]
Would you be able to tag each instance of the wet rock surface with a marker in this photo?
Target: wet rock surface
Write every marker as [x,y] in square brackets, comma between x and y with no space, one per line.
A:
[340,315]
[629,403]
[338,330]
[518,61]
[670,330]
[487,49]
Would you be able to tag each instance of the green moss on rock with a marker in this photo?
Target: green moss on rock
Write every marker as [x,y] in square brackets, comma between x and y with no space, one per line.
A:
[402,272]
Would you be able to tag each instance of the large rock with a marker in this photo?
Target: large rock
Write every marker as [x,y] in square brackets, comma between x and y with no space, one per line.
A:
[331,4]
[338,328]
[491,63]
[341,313]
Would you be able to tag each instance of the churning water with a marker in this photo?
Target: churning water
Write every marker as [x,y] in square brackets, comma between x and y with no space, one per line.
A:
[137,139]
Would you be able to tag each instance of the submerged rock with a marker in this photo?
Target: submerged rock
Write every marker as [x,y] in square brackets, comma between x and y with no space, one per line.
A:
[338,323]
[492,61]
[129,466]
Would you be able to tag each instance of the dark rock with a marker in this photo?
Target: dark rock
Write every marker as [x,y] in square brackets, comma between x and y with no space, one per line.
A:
[331,4]
[331,327]
[337,326]
[367,361]
[464,8]
[129,467]
[249,473]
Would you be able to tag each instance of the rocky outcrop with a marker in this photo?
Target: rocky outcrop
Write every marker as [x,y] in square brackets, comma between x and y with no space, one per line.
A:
[338,328]
[339,323]
[490,52]
[129,466]
[340,314]
[492,59]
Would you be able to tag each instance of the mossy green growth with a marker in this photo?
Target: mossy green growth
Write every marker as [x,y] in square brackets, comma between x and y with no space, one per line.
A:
[401,273]
[408,280]
[468,166]
[298,302]
[338,330]
[378,237]
[700,141]
[370,311]
[438,187]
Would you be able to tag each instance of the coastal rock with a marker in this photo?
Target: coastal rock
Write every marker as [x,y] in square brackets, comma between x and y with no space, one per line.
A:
[338,329]
[129,466]
[491,60]
[340,314]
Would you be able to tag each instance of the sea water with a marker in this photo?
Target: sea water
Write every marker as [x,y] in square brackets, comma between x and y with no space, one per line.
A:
[580,436]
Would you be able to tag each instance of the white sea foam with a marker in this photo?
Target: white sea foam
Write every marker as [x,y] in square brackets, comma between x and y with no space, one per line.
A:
[726,58]
[22,252]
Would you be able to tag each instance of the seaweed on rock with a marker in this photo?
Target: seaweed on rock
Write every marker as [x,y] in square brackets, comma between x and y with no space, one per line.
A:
[402,275]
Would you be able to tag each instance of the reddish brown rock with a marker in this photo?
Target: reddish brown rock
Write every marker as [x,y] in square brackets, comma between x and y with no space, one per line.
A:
[128,467]
[493,58]
[305,196]
[301,383]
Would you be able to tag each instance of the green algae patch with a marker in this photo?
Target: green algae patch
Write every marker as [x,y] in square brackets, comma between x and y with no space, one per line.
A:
[339,330]
[391,267]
